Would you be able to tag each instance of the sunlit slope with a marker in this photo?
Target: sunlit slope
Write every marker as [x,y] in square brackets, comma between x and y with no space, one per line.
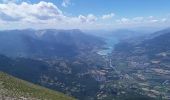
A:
[12,88]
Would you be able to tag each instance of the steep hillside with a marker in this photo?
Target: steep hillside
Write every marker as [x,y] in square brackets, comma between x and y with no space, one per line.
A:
[70,77]
[12,88]
[153,44]
[158,44]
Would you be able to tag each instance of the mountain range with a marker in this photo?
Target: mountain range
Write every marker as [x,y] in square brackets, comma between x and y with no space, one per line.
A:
[67,61]
[46,43]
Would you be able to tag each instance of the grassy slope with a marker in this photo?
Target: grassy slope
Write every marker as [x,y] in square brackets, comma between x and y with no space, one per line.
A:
[15,88]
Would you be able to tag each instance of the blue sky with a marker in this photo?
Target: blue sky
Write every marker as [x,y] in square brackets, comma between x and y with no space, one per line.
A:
[85,14]
[128,8]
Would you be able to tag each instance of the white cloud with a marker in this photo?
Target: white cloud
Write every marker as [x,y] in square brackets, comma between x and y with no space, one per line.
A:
[123,21]
[138,19]
[48,15]
[154,21]
[91,18]
[150,21]
[108,16]
[66,3]
[42,14]
[81,19]
[164,19]
[141,20]
[150,17]
[29,12]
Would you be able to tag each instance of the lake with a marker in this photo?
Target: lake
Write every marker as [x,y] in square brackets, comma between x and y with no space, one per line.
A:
[110,42]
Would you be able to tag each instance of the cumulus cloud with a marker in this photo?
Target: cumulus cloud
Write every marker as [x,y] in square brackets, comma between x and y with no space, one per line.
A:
[48,15]
[66,3]
[124,20]
[108,16]
[28,12]
[42,13]
[81,20]
[87,19]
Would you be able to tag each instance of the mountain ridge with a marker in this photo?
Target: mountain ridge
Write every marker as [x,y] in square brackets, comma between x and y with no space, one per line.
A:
[47,43]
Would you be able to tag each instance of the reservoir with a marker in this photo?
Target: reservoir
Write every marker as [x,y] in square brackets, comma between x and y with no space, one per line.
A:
[110,42]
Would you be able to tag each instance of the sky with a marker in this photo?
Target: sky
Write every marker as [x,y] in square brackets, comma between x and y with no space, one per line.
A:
[84,14]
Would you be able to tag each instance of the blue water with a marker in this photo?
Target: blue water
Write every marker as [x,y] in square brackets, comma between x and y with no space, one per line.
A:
[110,42]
